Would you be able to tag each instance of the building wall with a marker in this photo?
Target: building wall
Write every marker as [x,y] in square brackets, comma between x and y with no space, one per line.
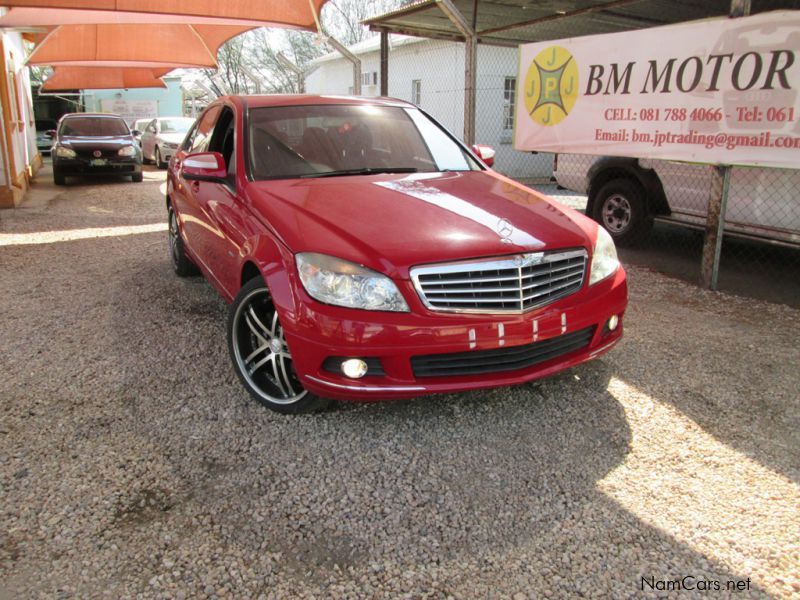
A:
[19,158]
[439,67]
[168,101]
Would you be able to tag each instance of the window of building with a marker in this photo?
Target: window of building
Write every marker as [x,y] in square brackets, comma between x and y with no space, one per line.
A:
[509,102]
[416,91]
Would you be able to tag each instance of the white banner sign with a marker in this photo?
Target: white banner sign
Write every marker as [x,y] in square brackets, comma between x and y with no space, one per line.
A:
[131,110]
[722,91]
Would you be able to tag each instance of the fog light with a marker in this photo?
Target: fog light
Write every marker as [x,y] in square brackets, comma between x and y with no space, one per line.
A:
[613,322]
[354,368]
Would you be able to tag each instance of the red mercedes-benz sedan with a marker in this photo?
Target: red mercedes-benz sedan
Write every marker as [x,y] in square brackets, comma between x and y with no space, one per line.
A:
[367,254]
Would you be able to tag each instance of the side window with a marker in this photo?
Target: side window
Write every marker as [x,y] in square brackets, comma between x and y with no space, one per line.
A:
[204,129]
[151,126]
[222,140]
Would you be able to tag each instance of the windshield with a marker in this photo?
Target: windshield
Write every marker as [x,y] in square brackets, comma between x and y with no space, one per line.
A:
[176,125]
[94,126]
[327,140]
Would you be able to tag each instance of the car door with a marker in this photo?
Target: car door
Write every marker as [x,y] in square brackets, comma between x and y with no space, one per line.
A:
[148,140]
[191,216]
[225,235]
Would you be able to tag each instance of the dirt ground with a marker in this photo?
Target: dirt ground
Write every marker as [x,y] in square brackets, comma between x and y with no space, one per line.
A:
[132,463]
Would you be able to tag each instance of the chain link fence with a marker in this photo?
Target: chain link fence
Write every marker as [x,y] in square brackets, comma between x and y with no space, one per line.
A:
[760,254]
[657,210]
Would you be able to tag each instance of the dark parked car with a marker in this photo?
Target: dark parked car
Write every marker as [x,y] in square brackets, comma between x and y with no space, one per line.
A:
[44,135]
[95,144]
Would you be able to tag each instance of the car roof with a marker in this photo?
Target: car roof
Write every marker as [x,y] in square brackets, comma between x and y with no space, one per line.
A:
[312,99]
[101,115]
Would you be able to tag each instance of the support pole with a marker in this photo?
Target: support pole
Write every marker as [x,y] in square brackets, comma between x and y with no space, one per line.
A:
[470,63]
[718,200]
[254,79]
[301,76]
[715,226]
[384,62]
[353,59]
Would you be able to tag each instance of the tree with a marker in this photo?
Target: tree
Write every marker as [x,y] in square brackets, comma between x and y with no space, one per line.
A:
[255,54]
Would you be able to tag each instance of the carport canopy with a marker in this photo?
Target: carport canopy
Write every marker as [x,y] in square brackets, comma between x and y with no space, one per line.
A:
[298,14]
[514,22]
[104,78]
[129,45]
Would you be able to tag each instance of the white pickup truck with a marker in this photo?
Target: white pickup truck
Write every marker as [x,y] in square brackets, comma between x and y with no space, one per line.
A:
[626,195]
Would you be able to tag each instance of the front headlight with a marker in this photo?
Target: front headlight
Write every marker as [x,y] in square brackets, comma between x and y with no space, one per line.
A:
[171,146]
[336,281]
[127,151]
[64,152]
[604,258]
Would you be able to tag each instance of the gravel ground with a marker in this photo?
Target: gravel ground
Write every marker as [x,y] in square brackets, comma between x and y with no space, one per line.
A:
[132,463]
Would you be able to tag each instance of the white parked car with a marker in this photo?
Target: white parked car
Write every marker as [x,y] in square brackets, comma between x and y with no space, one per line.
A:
[161,138]
[137,128]
[626,195]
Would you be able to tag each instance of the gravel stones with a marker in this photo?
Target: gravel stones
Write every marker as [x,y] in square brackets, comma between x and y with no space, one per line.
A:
[133,463]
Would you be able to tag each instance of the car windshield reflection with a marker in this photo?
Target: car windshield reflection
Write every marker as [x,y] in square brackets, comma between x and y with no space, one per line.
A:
[332,140]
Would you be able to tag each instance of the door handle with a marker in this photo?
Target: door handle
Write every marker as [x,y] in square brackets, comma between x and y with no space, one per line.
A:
[195,185]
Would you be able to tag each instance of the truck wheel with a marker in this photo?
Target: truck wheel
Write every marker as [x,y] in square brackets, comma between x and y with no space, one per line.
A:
[620,207]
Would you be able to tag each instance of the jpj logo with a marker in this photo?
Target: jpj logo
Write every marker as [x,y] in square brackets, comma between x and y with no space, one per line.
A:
[551,86]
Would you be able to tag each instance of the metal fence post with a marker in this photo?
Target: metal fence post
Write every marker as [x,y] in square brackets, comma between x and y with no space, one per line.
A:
[384,62]
[470,64]
[715,226]
[353,59]
[718,200]
[301,77]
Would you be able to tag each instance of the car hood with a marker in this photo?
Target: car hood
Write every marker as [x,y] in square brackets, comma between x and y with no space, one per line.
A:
[393,222]
[172,138]
[95,142]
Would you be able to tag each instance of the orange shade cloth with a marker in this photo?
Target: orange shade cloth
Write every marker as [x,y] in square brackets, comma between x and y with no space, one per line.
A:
[103,78]
[128,45]
[257,13]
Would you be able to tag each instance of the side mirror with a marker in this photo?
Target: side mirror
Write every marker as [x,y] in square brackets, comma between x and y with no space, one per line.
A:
[136,132]
[485,153]
[204,166]
[51,133]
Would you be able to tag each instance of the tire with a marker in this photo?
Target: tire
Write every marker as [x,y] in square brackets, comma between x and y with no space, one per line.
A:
[180,262]
[621,208]
[137,177]
[260,356]
[159,163]
[58,177]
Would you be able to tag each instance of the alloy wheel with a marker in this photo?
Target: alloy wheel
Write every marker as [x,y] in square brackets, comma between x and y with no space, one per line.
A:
[260,350]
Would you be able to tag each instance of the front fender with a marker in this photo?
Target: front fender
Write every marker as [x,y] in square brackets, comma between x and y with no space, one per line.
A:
[275,262]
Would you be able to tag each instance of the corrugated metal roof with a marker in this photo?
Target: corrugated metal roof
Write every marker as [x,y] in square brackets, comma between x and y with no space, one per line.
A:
[512,22]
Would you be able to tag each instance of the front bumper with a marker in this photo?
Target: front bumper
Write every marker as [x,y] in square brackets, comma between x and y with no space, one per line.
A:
[111,166]
[317,332]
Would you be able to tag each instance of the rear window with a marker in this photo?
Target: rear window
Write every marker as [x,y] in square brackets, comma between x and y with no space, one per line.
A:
[94,126]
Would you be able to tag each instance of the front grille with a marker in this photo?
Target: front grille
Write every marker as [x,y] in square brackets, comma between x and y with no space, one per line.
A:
[88,153]
[496,285]
[499,360]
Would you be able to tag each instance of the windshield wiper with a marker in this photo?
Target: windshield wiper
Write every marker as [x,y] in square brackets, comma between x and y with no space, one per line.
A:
[364,171]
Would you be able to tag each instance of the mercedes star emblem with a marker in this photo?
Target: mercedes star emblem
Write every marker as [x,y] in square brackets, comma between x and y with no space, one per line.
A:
[504,230]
